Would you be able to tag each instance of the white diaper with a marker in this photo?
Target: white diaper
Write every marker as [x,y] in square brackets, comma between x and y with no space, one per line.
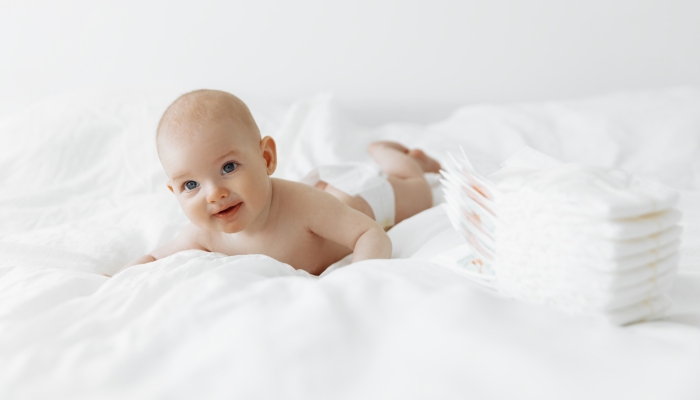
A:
[360,179]
[433,180]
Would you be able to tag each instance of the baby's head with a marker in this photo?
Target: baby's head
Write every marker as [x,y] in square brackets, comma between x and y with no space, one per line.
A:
[217,164]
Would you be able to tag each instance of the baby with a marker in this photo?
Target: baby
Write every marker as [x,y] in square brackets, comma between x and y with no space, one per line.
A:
[219,170]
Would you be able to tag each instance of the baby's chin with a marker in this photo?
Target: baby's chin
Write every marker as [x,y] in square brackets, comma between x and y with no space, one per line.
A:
[217,228]
[229,230]
[230,227]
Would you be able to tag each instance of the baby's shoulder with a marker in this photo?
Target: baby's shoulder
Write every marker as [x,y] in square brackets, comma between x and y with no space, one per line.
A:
[296,194]
[198,237]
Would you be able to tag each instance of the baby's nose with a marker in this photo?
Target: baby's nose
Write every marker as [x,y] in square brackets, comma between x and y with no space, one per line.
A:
[217,193]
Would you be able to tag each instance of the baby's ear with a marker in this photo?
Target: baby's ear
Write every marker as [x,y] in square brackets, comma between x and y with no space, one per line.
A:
[269,153]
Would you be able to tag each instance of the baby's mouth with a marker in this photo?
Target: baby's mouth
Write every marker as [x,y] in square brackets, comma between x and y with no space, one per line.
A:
[229,211]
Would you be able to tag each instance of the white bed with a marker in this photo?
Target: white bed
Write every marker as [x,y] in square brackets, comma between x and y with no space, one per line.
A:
[83,193]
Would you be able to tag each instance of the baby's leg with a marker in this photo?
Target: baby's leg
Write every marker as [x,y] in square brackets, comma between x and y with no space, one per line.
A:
[404,169]
[396,159]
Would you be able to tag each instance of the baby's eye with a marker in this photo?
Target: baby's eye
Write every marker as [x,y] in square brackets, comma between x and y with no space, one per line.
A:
[190,185]
[229,167]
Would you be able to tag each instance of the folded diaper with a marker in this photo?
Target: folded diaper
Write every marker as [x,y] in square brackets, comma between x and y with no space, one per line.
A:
[544,257]
[646,310]
[582,190]
[612,281]
[530,239]
[579,238]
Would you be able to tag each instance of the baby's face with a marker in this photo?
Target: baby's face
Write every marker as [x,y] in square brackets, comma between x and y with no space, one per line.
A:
[220,175]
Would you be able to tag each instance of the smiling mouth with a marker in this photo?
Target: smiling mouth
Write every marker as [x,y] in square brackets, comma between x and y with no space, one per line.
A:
[228,212]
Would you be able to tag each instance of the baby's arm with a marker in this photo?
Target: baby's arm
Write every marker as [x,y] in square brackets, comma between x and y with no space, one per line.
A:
[188,239]
[331,219]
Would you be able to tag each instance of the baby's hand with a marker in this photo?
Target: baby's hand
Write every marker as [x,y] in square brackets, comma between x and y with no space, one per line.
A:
[188,239]
[141,260]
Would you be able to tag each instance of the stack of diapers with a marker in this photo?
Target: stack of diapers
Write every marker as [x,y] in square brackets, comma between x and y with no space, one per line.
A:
[582,239]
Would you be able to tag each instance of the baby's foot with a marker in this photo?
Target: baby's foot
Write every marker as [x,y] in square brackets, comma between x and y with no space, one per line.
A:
[427,163]
[391,145]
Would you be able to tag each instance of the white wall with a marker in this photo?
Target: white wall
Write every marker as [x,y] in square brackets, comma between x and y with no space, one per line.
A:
[410,60]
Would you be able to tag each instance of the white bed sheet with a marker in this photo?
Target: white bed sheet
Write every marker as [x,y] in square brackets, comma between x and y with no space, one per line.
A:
[84,193]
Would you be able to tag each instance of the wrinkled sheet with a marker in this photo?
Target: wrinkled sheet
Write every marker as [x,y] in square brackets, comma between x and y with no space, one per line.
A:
[84,193]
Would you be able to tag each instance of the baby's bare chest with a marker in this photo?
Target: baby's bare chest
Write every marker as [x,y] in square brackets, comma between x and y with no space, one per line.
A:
[293,245]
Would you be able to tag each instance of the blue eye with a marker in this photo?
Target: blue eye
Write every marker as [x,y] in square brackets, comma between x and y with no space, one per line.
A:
[190,185]
[229,167]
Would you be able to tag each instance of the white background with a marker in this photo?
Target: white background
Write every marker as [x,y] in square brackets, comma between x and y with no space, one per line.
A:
[384,60]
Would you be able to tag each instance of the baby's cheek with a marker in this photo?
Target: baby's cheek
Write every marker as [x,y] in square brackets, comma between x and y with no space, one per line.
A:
[190,212]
